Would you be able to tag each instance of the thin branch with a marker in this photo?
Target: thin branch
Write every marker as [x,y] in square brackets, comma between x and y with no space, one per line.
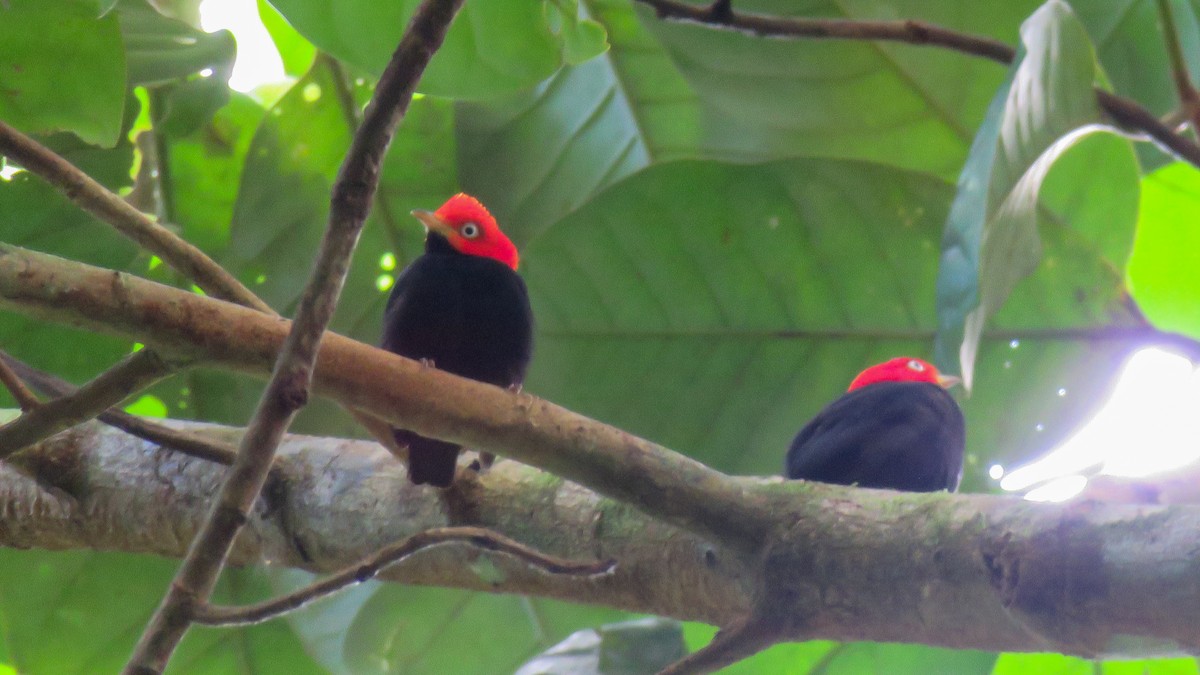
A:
[172,439]
[94,198]
[478,537]
[287,391]
[909,31]
[26,399]
[133,374]
[1126,112]
[164,184]
[740,641]
[1179,70]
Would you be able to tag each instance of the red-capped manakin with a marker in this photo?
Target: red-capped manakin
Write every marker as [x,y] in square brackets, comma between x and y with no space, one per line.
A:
[461,306]
[896,428]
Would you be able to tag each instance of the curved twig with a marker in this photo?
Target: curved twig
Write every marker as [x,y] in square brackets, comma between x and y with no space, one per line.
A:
[478,537]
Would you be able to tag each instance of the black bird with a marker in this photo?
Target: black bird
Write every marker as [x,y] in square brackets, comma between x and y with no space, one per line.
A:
[896,428]
[461,306]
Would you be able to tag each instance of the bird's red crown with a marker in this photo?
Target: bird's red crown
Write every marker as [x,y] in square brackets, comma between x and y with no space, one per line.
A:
[470,229]
[902,369]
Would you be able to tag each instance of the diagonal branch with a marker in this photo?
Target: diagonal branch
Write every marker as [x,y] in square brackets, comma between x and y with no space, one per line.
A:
[739,641]
[1124,111]
[1179,70]
[180,441]
[25,398]
[110,388]
[287,390]
[478,537]
[97,200]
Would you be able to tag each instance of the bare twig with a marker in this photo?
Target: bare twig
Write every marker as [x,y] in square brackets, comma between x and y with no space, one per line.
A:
[364,570]
[110,208]
[909,32]
[25,398]
[172,439]
[288,388]
[1179,70]
[131,375]
[1125,111]
[730,645]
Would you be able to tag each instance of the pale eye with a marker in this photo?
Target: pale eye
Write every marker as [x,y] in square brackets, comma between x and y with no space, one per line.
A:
[916,365]
[470,230]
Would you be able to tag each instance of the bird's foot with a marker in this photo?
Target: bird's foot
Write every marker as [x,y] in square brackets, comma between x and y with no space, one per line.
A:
[515,387]
[427,363]
[481,464]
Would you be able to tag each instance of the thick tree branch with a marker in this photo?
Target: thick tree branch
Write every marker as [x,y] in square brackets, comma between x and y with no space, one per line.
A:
[287,389]
[962,571]
[133,374]
[431,402]
[478,537]
[94,198]
[1126,112]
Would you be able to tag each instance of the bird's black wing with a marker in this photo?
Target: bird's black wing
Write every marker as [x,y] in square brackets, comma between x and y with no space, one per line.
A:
[897,435]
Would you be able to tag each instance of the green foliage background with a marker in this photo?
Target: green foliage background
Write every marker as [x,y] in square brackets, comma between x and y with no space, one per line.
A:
[718,232]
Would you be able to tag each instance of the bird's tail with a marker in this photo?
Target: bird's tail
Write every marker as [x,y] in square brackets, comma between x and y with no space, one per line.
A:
[429,460]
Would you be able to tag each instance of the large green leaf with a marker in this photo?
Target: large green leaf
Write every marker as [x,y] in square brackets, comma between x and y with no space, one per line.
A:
[161,50]
[385,628]
[901,105]
[80,612]
[62,69]
[991,240]
[1163,275]
[716,308]
[493,47]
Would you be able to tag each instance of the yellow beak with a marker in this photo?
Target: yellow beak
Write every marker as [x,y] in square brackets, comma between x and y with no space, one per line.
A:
[432,222]
[947,381]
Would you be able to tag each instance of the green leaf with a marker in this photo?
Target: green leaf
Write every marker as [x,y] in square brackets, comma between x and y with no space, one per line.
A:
[821,657]
[991,240]
[162,50]
[206,168]
[493,47]
[81,612]
[892,103]
[296,52]
[1057,664]
[579,132]
[37,93]
[386,628]
[637,646]
[1163,275]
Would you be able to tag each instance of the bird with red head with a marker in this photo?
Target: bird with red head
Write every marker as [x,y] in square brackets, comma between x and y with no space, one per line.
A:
[896,427]
[462,307]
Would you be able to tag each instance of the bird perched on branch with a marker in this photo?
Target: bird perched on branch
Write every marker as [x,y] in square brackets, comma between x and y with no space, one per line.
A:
[896,428]
[462,307]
